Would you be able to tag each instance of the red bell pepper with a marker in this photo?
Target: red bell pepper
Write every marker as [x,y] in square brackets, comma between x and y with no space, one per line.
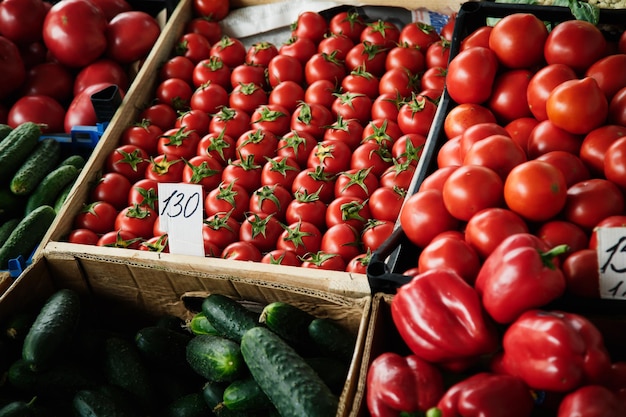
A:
[402,384]
[440,318]
[520,274]
[555,351]
[487,395]
[592,401]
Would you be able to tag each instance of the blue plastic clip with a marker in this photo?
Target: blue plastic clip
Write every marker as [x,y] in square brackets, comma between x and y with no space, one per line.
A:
[19,264]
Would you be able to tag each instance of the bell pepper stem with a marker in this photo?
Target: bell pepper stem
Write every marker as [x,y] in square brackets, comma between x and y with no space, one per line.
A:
[547,257]
[433,412]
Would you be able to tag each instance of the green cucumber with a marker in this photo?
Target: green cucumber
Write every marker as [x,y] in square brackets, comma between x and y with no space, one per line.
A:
[289,322]
[213,394]
[19,325]
[18,409]
[294,388]
[332,340]
[75,160]
[60,200]
[5,129]
[40,163]
[11,205]
[7,228]
[27,235]
[98,403]
[52,329]
[245,395]
[163,347]
[125,368]
[199,324]
[189,405]
[51,186]
[230,318]
[333,372]
[215,358]
[17,146]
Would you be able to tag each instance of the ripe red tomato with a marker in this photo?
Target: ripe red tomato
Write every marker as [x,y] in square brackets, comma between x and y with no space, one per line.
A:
[49,79]
[470,189]
[406,56]
[101,71]
[437,178]
[203,170]
[281,257]
[112,188]
[247,97]
[611,221]
[311,118]
[591,201]
[519,129]
[144,193]
[312,180]
[417,115]
[595,145]
[478,132]
[424,215]
[323,260]
[212,9]
[349,131]
[160,114]
[301,237]
[571,166]
[418,34]
[242,251]
[471,75]
[112,8]
[489,227]
[348,22]
[350,105]
[120,239]
[174,92]
[386,106]
[227,198]
[336,42]
[178,143]
[128,160]
[371,154]
[375,233]
[565,109]
[38,109]
[296,145]
[279,170]
[21,21]
[131,35]
[299,48]
[248,73]
[575,43]
[461,117]
[367,55]
[83,237]
[245,172]
[323,66]
[561,232]
[615,163]
[310,25]
[608,74]
[547,137]
[209,28]
[99,217]
[218,146]
[270,199]
[231,50]
[508,100]
[447,251]
[321,92]
[229,121]
[479,37]
[12,69]
[138,220]
[163,168]
[384,203]
[343,240]
[194,46]
[536,190]
[209,70]
[382,33]
[518,40]
[257,144]
[438,54]
[617,108]
[261,53]
[356,182]
[332,156]
[260,229]
[287,94]
[271,117]
[74,31]
[350,210]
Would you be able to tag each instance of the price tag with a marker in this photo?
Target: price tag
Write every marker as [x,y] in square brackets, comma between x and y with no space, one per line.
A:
[181,214]
[612,262]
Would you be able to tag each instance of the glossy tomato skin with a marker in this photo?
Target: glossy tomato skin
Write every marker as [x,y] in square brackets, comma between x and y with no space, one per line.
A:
[471,188]
[112,188]
[213,9]
[281,257]
[260,229]
[424,215]
[580,269]
[607,73]
[349,23]
[131,35]
[385,203]
[137,220]
[595,144]
[102,70]
[575,43]
[617,108]
[51,79]
[561,232]
[497,152]
[589,202]
[349,210]
[508,100]
[312,25]
[479,37]
[74,31]
[161,114]
[300,237]
[242,251]
[418,34]
[208,28]
[541,85]
[452,252]
[489,227]
[227,198]
[21,21]
[615,163]
[518,39]
[460,117]
[471,75]
[571,166]
[83,237]
[375,233]
[144,193]
[38,109]
[341,239]
[12,69]
[99,217]
[128,160]
[231,50]
[548,137]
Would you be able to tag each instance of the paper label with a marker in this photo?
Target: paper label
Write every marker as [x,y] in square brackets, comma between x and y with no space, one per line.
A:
[181,214]
[612,262]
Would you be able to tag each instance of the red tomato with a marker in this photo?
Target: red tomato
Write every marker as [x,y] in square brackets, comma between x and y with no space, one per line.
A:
[270,199]
[156,244]
[561,232]
[210,70]
[417,115]
[332,156]
[311,118]
[248,73]
[595,145]
[520,129]
[314,180]
[208,28]
[138,220]
[359,264]
[450,153]
[231,50]
[381,33]
[131,35]
[571,166]
[209,98]
[299,48]
[408,148]
[589,202]
[405,56]
[343,240]
[518,39]
[397,81]
[615,163]
[323,66]
[535,190]
[547,137]
[83,237]
[349,131]
[242,251]
[508,98]
[245,172]
[178,143]
[202,170]
[398,175]
[212,9]
[21,21]
[218,146]
[271,117]
[565,109]
[386,106]
[461,117]
[74,32]
[310,25]
[581,273]
[489,227]
[338,43]
[360,81]
[261,53]
[227,198]
[448,28]
[424,216]
[350,105]
[12,69]
[229,121]
[144,193]
[194,46]
[450,252]
[384,203]
[279,170]
[478,132]
[119,239]
[608,74]
[375,233]
[479,37]
[371,154]
[323,260]
[437,178]
[349,210]
[617,108]
[287,94]
[296,145]
[257,144]
[320,92]
[174,92]
[112,7]
[50,79]
[38,109]
[383,132]
[260,229]
[575,43]
[112,188]
[367,55]
[306,207]
[99,217]
[418,34]
[164,168]
[349,23]
[301,237]
[438,54]
[356,182]
[101,71]
[128,160]
[281,257]
[471,75]
[470,189]
[160,114]
[247,97]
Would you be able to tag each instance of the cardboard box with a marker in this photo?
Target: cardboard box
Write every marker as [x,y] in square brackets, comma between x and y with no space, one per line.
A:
[124,291]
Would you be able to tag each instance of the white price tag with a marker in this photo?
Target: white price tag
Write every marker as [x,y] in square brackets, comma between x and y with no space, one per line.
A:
[181,215]
[612,262]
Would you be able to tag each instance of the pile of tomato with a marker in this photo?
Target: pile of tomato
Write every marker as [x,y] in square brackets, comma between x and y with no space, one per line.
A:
[534,141]
[53,57]
[305,150]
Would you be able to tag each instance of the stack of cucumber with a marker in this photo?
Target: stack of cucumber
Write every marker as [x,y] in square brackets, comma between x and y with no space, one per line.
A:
[226,361]
[35,178]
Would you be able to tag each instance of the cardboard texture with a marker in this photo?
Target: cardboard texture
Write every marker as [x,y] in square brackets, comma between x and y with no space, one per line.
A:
[122,291]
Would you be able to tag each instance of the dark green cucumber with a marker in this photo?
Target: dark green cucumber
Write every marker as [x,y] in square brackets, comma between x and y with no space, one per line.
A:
[230,318]
[163,347]
[98,403]
[294,388]
[51,186]
[7,228]
[213,394]
[289,322]
[76,160]
[125,368]
[199,324]
[27,235]
[189,405]
[19,324]
[5,129]
[11,205]
[18,409]
[60,199]
[52,329]
[333,372]
[331,339]
[17,146]
[245,395]
[215,358]
[39,163]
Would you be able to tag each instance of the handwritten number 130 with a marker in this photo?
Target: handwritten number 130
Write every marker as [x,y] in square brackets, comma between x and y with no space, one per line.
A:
[178,203]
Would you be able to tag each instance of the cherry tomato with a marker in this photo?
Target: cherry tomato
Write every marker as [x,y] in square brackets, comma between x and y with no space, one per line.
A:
[280,170]
[382,33]
[307,207]
[174,92]
[245,172]
[210,70]
[160,114]
[270,199]
[208,28]
[343,240]
[349,210]
[260,53]
[230,121]
[385,203]
[178,143]
[231,50]
[418,34]
[99,217]
[287,94]
[257,144]
[322,66]
[213,9]
[299,48]
[336,42]
[296,145]
[112,188]
[320,92]
[323,260]
[203,170]
[406,56]
[120,239]
[314,180]
[163,168]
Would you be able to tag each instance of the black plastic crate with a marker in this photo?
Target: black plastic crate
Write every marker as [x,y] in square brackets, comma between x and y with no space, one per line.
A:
[398,253]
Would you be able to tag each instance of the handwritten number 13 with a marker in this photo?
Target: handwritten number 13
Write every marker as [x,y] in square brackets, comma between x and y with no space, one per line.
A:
[178,203]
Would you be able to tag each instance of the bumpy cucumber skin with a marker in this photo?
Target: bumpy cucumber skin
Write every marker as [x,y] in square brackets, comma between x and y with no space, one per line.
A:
[51,186]
[215,358]
[40,163]
[291,384]
[331,339]
[228,317]
[7,228]
[75,160]
[17,146]
[289,322]
[245,395]
[27,235]
[53,327]
[5,129]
